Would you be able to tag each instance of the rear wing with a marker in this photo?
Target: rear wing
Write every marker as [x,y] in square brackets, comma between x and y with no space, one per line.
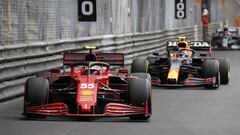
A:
[231,30]
[195,45]
[113,59]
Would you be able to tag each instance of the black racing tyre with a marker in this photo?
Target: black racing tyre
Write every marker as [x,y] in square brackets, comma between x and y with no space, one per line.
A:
[139,66]
[139,93]
[142,75]
[36,94]
[224,68]
[151,60]
[210,68]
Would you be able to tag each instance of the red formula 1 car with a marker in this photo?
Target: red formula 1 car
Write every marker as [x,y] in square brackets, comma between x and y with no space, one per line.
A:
[89,89]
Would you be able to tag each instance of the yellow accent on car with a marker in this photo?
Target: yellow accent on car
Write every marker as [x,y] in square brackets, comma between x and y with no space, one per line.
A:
[90,47]
[182,44]
[107,82]
[182,38]
[174,56]
[173,74]
[86,98]
[87,92]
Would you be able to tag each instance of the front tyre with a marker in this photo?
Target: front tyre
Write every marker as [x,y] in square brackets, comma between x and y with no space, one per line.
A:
[224,67]
[210,69]
[36,94]
[139,94]
[139,66]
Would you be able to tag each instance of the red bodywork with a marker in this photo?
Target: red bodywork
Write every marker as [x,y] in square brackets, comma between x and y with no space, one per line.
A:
[88,87]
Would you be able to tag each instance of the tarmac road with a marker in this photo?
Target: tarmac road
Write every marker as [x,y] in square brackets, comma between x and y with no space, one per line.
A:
[186,111]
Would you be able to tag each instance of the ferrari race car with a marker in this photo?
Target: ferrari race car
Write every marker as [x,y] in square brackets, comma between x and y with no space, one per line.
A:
[89,88]
[227,38]
[186,64]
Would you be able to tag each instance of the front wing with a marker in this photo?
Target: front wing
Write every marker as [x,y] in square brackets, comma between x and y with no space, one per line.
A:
[110,110]
[189,82]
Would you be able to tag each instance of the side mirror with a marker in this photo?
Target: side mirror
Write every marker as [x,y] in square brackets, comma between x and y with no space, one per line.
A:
[124,70]
[55,70]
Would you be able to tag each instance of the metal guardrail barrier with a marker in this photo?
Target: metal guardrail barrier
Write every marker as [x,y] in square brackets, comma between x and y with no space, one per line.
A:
[20,61]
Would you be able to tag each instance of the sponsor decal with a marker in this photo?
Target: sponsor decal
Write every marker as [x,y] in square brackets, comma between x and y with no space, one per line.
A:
[193,44]
[86,92]
[87,86]
[86,98]
[199,44]
[173,74]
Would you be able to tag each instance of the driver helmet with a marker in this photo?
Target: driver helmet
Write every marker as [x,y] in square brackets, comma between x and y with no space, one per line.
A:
[205,12]
[187,52]
[95,70]
[225,28]
[182,43]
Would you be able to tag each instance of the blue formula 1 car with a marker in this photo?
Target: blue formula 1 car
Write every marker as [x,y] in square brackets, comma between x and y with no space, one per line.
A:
[186,64]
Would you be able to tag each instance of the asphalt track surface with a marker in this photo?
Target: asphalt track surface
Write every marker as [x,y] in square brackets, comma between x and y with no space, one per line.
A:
[185,111]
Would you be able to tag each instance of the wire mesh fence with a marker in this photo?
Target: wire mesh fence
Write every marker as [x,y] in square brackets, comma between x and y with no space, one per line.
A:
[24,21]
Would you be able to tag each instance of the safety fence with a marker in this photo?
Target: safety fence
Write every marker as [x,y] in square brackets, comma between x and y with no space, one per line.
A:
[24,21]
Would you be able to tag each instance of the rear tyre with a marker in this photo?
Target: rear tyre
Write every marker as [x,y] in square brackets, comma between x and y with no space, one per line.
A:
[210,69]
[224,67]
[151,60]
[139,94]
[36,94]
[139,66]
[142,75]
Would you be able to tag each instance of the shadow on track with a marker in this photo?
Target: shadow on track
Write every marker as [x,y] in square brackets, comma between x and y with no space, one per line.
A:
[82,119]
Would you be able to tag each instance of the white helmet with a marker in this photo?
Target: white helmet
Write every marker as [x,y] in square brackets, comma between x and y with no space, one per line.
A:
[205,12]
